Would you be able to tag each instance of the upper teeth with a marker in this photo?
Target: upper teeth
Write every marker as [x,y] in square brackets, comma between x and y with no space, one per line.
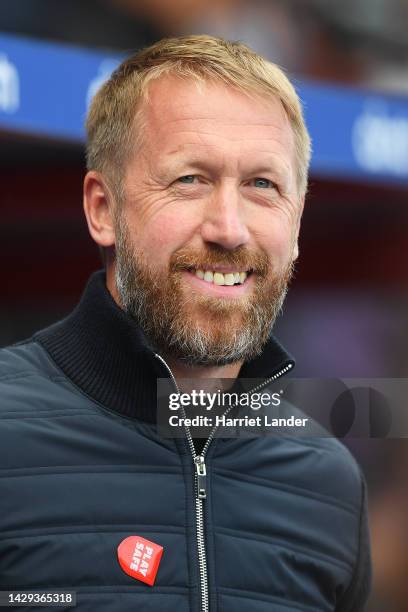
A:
[218,278]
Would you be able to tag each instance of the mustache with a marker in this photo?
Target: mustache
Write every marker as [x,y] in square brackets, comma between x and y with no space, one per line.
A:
[241,258]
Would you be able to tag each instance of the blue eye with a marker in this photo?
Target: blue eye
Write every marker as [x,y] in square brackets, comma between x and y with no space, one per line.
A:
[189,178]
[263,183]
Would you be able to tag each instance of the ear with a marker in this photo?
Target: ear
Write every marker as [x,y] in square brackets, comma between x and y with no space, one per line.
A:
[98,208]
[295,254]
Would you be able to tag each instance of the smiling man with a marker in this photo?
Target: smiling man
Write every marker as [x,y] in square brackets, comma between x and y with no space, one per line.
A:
[205,232]
[197,171]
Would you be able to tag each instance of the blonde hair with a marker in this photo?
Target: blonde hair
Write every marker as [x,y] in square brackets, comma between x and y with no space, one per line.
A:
[114,126]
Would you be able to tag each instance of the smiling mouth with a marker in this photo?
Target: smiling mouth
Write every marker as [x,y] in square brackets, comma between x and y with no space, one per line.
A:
[215,277]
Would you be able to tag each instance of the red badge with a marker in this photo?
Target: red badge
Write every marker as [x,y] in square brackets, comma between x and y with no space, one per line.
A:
[140,558]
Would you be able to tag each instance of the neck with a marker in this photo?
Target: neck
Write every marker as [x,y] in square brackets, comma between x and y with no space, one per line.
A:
[182,371]
[110,278]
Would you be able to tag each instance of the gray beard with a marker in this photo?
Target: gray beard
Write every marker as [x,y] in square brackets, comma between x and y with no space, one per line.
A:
[159,307]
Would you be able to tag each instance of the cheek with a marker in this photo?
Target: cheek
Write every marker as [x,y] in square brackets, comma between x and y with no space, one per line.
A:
[164,234]
[276,235]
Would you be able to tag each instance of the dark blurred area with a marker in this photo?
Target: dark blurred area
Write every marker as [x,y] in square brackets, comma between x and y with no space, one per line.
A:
[354,41]
[346,314]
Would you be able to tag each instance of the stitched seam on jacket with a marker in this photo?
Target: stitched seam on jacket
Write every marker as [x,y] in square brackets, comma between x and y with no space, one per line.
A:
[22,374]
[158,590]
[245,594]
[294,490]
[283,544]
[320,443]
[29,373]
[96,590]
[17,416]
[82,469]
[18,535]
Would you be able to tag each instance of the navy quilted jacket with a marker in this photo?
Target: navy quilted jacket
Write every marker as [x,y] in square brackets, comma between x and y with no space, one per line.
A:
[283,526]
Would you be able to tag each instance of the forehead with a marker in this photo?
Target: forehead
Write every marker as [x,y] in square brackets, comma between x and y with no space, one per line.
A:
[187,109]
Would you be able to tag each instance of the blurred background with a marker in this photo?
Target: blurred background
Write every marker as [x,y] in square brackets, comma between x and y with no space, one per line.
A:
[346,314]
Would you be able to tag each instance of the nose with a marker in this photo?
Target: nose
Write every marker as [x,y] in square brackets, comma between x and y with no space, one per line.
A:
[223,222]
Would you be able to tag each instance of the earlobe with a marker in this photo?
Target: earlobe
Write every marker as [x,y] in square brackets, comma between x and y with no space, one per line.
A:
[295,251]
[98,208]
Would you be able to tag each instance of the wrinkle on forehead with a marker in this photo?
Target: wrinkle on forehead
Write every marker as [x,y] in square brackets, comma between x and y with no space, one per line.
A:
[228,121]
[165,91]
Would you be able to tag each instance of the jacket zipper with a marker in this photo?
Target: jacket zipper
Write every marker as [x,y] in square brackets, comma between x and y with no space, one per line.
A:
[200,481]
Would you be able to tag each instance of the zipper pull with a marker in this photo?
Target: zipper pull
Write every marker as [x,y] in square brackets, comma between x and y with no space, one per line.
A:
[201,476]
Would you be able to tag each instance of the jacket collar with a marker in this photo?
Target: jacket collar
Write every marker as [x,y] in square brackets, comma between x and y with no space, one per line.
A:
[104,352]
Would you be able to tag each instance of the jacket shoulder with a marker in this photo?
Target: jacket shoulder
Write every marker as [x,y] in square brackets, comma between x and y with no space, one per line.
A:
[24,359]
[30,382]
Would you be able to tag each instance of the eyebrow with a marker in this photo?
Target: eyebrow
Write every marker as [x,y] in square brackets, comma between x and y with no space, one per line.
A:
[281,170]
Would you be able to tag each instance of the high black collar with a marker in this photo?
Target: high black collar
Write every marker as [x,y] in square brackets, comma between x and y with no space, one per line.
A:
[104,352]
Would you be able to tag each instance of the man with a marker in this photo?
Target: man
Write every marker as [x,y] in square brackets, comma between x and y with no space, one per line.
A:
[197,172]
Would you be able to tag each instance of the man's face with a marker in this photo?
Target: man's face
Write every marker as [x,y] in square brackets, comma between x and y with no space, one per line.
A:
[207,232]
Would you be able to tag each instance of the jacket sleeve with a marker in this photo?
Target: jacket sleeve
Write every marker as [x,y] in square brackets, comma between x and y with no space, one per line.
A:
[355,597]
